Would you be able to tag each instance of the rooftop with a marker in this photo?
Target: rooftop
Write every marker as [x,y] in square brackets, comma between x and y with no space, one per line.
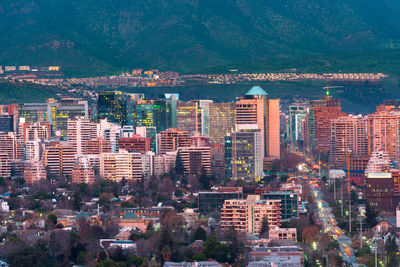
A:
[256,90]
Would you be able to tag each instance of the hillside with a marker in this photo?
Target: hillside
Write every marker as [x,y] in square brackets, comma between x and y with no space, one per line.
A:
[93,37]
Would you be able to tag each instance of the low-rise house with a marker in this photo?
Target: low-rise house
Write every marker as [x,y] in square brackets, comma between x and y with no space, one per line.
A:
[130,220]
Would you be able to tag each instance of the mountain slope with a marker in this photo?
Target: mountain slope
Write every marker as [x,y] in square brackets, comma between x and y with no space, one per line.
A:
[190,35]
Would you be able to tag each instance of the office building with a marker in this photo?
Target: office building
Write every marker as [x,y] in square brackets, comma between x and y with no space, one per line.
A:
[246,215]
[217,153]
[114,106]
[187,116]
[243,149]
[256,108]
[222,121]
[68,109]
[297,114]
[6,123]
[209,201]
[289,203]
[160,113]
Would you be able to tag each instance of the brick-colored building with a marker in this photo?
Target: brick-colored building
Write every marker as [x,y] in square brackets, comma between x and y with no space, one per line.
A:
[172,139]
[135,143]
[196,160]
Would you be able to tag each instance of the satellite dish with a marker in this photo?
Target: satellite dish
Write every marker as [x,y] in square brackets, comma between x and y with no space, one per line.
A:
[58,133]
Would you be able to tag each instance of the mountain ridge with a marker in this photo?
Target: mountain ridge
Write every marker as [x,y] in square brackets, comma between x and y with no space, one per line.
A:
[191,35]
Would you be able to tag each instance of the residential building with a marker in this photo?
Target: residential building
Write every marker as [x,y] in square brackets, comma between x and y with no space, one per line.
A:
[246,215]
[172,139]
[122,165]
[135,143]
[195,160]
[348,134]
[318,123]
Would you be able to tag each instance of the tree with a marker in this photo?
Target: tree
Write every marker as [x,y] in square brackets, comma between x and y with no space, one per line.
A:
[391,250]
[264,227]
[77,200]
[199,234]
[199,257]
[371,216]
[179,167]
[166,253]
[52,218]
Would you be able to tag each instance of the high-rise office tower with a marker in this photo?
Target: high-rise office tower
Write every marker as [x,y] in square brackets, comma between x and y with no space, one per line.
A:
[318,121]
[222,121]
[188,117]
[297,114]
[203,116]
[243,148]
[256,108]
[114,106]
[160,113]
[348,135]
[68,109]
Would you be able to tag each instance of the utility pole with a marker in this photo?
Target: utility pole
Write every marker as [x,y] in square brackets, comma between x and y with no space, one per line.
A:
[361,236]
[376,254]
[341,196]
[349,187]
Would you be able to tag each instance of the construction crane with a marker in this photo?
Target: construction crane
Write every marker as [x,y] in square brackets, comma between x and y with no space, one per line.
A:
[330,87]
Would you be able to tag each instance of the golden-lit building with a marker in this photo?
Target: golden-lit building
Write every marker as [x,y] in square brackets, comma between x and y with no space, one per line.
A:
[222,121]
